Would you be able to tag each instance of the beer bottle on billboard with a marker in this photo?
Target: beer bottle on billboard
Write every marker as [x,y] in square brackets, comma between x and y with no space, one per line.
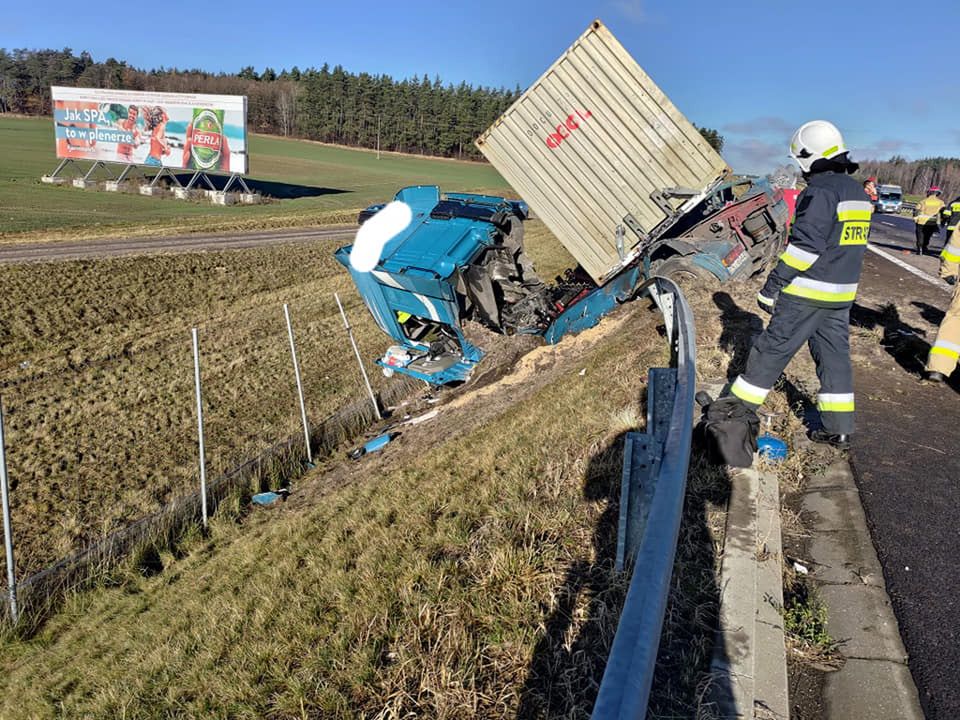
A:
[206,139]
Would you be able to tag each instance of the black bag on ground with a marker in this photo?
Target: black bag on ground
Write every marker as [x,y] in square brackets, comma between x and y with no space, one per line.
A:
[728,432]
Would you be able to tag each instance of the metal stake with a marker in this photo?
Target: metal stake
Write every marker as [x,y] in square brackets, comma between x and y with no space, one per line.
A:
[366,380]
[203,463]
[7,529]
[296,371]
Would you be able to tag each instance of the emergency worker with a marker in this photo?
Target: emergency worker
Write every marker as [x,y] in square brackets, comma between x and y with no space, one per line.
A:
[951,217]
[812,288]
[927,218]
[946,348]
[870,188]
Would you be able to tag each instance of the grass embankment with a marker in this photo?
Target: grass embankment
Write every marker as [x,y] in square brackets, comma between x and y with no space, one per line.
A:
[315,184]
[96,374]
[465,571]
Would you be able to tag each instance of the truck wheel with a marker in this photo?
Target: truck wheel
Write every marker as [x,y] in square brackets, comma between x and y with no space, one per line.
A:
[683,272]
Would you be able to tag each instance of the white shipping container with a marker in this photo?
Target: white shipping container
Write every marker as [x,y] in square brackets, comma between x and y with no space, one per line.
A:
[588,143]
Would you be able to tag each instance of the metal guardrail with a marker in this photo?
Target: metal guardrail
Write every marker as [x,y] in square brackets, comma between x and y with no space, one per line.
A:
[655,481]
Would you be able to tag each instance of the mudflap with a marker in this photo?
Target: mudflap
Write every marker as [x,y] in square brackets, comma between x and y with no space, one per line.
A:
[590,309]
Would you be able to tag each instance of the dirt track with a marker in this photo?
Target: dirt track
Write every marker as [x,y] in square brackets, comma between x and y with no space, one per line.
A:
[111,247]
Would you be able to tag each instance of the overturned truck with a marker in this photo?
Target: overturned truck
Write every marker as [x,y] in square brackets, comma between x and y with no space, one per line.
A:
[620,177]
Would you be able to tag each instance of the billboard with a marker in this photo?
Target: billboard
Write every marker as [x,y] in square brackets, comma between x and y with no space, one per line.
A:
[180,131]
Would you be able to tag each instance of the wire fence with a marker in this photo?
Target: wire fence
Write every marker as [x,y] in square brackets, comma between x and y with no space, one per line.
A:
[90,492]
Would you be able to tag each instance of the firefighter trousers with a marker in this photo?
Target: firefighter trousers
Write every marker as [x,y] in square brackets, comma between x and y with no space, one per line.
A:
[924,232]
[946,348]
[827,332]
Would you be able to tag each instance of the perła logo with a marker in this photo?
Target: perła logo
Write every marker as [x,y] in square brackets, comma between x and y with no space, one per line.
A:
[206,140]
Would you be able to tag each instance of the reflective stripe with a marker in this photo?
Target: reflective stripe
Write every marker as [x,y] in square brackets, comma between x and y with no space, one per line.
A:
[945,347]
[854,210]
[951,253]
[855,233]
[835,402]
[946,353]
[751,393]
[765,300]
[817,290]
[797,258]
[830,151]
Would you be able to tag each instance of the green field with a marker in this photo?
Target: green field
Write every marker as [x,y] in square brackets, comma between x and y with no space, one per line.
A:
[318,183]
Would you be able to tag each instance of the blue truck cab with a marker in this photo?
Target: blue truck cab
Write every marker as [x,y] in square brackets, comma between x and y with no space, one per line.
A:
[462,258]
[454,260]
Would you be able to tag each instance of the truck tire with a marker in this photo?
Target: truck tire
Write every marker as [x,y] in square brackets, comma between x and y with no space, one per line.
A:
[683,272]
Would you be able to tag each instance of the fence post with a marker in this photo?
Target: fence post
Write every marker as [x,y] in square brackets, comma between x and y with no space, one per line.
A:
[363,371]
[203,463]
[296,371]
[7,529]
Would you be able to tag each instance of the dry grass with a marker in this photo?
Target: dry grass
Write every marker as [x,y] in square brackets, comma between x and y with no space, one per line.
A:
[97,384]
[465,572]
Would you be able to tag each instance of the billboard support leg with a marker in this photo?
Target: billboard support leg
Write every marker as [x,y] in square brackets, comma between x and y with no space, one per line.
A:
[123,174]
[98,163]
[156,178]
[193,179]
[60,167]
[209,182]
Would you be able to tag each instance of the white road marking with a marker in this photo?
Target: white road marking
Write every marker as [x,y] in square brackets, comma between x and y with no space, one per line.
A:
[910,268]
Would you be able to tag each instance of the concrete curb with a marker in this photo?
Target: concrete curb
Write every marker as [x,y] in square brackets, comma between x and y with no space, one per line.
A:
[875,682]
[749,663]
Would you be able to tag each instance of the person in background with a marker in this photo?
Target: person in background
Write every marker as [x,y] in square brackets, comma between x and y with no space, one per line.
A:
[945,352]
[951,218]
[870,188]
[927,218]
[810,291]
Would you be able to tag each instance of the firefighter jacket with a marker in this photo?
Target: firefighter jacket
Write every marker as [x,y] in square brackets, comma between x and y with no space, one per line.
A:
[951,213]
[821,263]
[928,210]
[950,257]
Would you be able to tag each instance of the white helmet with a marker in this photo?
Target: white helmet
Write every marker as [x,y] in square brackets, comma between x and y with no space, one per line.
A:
[814,140]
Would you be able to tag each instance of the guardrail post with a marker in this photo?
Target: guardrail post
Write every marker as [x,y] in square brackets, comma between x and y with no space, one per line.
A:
[296,372]
[7,528]
[203,461]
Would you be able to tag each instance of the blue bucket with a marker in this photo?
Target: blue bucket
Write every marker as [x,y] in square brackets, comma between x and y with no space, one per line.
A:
[771,448]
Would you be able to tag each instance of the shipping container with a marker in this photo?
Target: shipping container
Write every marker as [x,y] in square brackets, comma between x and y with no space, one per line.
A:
[600,154]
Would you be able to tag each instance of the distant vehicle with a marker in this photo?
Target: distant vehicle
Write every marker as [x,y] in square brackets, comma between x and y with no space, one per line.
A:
[369,212]
[889,199]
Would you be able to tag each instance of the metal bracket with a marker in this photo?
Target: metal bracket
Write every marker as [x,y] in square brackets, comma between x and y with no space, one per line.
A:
[631,222]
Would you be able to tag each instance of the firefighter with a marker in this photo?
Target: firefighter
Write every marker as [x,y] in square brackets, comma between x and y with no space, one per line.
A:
[810,291]
[946,348]
[951,218]
[927,218]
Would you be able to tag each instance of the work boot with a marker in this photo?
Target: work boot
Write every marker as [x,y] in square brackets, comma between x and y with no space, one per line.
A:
[937,377]
[839,440]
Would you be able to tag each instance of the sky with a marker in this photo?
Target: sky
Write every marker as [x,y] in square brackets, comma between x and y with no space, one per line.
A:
[753,70]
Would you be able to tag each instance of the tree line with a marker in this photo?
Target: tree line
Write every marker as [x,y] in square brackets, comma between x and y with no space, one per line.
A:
[417,115]
[328,104]
[916,176]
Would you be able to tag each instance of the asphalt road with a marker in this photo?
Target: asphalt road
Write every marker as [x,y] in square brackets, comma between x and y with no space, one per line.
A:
[110,247]
[906,460]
